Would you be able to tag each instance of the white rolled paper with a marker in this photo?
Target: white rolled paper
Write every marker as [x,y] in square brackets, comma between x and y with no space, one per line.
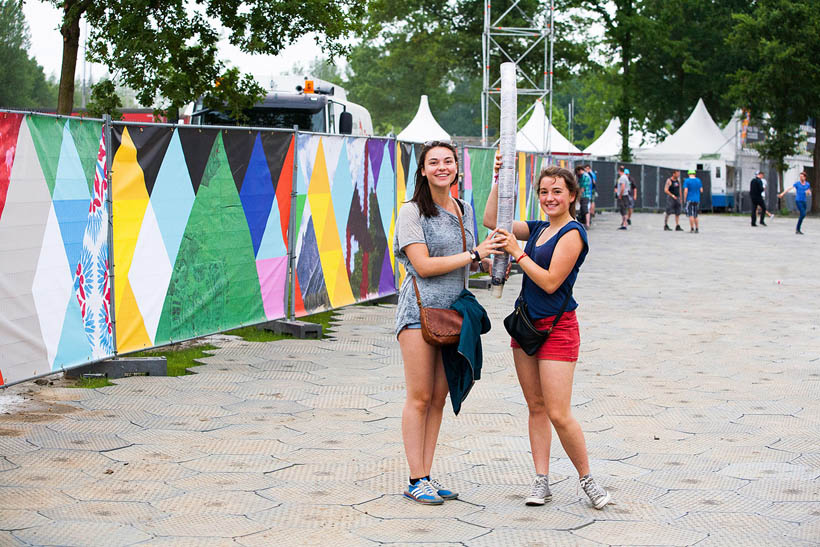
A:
[506,175]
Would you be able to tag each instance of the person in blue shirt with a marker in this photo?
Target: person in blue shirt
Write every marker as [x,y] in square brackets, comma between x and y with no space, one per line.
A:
[551,259]
[692,189]
[594,178]
[801,188]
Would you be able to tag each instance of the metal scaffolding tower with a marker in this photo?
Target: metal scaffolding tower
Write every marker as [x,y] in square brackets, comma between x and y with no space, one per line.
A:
[495,36]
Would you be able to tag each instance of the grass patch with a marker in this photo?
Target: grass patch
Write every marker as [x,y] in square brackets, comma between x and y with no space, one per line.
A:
[92,383]
[178,356]
[253,334]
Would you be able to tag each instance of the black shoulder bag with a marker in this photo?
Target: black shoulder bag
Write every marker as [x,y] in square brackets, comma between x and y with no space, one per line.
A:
[520,326]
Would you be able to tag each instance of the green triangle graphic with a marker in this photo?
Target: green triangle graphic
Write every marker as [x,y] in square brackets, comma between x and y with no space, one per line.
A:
[47,134]
[86,136]
[214,285]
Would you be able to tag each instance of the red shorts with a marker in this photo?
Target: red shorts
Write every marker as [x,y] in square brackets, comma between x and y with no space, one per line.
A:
[564,342]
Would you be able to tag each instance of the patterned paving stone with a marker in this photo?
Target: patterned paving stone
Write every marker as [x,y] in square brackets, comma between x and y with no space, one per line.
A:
[179,541]
[679,462]
[15,445]
[105,511]
[218,502]
[739,521]
[246,482]
[320,456]
[155,453]
[16,497]
[682,480]
[624,509]
[15,519]
[395,505]
[208,525]
[638,533]
[93,426]
[5,464]
[782,490]
[325,492]
[711,500]
[792,511]
[770,471]
[123,490]
[521,516]
[798,444]
[141,471]
[758,454]
[306,537]
[416,530]
[77,441]
[328,517]
[78,533]
[531,538]
[235,463]
[44,477]
[178,423]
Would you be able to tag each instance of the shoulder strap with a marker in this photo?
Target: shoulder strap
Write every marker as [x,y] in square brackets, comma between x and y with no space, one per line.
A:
[461,224]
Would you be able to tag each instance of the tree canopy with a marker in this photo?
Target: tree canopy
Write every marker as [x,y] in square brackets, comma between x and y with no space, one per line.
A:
[24,83]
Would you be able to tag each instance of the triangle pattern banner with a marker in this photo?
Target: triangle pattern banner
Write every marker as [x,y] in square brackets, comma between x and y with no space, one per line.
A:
[23,226]
[9,129]
[86,137]
[47,134]
[257,193]
[214,284]
[129,203]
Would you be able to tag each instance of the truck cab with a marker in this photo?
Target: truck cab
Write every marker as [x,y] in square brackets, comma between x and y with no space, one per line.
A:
[310,104]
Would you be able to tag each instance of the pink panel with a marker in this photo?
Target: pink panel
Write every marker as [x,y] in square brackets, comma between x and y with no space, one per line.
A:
[273,279]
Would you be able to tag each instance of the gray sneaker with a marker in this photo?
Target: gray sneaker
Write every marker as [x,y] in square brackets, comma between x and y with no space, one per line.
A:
[597,495]
[539,491]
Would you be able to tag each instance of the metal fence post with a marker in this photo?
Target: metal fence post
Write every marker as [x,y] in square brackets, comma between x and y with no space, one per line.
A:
[110,203]
[291,313]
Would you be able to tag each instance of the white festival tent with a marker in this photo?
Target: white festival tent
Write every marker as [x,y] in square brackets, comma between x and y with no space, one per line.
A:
[530,138]
[424,126]
[609,143]
[699,137]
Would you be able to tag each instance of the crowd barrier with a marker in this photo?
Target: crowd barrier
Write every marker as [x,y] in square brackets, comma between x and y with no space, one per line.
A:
[203,229]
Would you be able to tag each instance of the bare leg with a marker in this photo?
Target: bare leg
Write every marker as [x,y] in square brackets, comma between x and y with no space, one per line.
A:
[434,413]
[539,427]
[420,360]
[556,384]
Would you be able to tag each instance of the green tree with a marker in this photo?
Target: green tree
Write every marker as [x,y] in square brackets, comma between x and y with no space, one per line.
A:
[320,67]
[433,48]
[104,100]
[160,47]
[235,93]
[678,63]
[23,85]
[780,80]
[622,21]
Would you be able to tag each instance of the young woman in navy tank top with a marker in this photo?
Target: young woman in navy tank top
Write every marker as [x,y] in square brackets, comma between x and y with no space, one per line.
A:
[550,260]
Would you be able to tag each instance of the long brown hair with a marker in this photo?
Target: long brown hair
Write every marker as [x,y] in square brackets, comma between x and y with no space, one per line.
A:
[553,171]
[421,195]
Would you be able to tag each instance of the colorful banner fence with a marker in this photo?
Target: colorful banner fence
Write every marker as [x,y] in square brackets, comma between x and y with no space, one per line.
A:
[344,214]
[54,220]
[208,229]
[200,222]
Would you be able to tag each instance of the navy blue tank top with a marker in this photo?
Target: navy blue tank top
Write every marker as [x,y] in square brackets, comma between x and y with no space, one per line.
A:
[540,303]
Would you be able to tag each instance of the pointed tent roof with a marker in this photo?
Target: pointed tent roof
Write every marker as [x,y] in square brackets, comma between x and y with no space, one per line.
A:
[531,137]
[609,143]
[699,135]
[424,126]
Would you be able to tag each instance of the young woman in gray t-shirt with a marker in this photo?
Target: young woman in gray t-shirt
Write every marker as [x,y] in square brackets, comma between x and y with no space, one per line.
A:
[428,244]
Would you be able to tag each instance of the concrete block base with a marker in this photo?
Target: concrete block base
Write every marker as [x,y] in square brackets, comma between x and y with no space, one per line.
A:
[297,329]
[479,283]
[122,368]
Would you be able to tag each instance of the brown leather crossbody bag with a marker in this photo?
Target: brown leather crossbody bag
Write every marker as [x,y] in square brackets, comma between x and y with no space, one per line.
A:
[440,326]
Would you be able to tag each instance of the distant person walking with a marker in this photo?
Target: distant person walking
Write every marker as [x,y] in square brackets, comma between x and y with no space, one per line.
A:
[673,201]
[802,189]
[594,178]
[585,181]
[633,196]
[756,193]
[622,196]
[692,189]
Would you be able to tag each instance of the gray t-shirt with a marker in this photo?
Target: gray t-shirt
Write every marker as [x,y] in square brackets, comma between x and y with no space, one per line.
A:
[442,236]
[622,190]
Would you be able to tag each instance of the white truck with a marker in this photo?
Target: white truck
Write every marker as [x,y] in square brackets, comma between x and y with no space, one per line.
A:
[311,104]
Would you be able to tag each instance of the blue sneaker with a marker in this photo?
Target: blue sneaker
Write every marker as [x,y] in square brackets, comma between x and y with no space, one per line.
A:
[423,492]
[443,492]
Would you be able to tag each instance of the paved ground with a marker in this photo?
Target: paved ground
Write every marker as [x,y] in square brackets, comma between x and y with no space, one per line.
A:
[698,389]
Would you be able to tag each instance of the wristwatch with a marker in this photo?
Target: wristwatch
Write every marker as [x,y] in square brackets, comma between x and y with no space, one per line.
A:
[475,256]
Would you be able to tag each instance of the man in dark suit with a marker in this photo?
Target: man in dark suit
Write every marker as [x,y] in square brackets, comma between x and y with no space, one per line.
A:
[756,193]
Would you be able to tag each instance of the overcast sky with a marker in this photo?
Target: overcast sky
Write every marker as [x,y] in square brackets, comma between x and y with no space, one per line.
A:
[46,46]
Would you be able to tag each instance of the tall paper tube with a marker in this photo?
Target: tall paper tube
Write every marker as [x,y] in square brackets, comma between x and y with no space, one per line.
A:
[506,175]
